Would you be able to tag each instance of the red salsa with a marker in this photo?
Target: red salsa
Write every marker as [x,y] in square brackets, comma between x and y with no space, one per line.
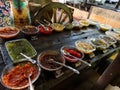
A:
[74,54]
[18,76]
[8,30]
[43,31]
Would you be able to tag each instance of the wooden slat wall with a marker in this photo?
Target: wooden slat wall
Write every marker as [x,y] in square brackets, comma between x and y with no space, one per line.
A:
[80,14]
[105,16]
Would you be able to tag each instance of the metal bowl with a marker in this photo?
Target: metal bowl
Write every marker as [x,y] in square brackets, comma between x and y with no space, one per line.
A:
[15,75]
[44,59]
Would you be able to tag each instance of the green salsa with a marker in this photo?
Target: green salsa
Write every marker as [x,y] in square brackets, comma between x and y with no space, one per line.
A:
[16,47]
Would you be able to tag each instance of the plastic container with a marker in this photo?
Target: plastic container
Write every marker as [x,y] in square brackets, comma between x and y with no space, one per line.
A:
[46,32]
[68,26]
[84,23]
[113,34]
[108,39]
[117,30]
[73,54]
[15,47]
[85,47]
[105,27]
[100,44]
[58,27]
[76,25]
[92,22]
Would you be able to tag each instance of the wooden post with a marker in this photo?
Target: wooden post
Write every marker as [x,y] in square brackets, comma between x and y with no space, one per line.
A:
[112,71]
[84,3]
[118,4]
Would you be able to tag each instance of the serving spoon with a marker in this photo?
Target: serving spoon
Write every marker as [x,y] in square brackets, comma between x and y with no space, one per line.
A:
[45,28]
[33,61]
[67,53]
[29,59]
[74,70]
[30,82]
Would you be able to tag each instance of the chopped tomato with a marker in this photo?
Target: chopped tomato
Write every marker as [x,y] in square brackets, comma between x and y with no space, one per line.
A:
[73,52]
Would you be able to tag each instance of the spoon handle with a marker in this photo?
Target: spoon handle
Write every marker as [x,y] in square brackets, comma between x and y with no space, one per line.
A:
[67,53]
[28,58]
[74,70]
[45,28]
[85,62]
[82,61]
[31,86]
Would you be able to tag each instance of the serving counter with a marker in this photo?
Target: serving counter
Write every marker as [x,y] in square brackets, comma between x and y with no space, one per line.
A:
[55,41]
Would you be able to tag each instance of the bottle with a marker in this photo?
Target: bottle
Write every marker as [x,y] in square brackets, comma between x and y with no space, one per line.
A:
[20,12]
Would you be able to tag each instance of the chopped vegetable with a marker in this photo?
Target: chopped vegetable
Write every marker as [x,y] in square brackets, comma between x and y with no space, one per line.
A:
[16,47]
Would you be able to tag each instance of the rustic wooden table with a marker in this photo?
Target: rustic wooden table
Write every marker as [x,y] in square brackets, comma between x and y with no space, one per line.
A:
[54,42]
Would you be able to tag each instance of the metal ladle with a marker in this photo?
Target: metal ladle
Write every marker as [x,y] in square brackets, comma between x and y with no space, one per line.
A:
[33,61]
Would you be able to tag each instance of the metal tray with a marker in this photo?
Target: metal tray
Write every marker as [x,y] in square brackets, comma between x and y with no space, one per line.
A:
[15,47]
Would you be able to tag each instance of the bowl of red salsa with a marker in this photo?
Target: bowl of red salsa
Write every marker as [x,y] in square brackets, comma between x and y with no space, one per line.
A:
[15,76]
[45,30]
[9,32]
[71,54]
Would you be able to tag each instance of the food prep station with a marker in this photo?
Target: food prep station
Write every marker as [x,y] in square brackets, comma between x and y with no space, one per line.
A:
[86,43]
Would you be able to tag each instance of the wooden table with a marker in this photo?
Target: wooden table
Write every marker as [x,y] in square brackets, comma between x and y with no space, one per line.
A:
[54,42]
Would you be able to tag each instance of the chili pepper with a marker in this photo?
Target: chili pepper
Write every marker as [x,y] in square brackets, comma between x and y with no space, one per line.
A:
[73,52]
[67,49]
[79,55]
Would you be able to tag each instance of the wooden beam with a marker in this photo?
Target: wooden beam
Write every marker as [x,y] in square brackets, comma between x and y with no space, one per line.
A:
[111,72]
[118,4]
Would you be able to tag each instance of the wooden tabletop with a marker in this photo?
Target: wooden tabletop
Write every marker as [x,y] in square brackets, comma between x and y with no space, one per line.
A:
[54,42]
